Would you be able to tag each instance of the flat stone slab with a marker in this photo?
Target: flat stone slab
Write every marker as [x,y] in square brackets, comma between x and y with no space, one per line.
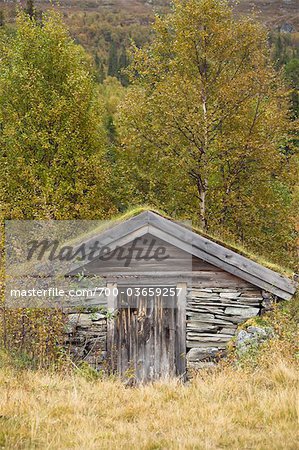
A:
[242,311]
[199,354]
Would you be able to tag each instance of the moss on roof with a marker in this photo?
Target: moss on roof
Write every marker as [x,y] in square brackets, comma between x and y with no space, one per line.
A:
[236,247]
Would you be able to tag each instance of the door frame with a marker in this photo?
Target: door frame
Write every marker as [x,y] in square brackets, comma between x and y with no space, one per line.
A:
[180,334]
[181,331]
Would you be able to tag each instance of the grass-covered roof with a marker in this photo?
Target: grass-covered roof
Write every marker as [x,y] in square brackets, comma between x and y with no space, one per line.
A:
[234,246]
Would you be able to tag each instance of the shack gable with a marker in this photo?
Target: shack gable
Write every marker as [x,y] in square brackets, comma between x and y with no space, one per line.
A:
[183,238]
[173,264]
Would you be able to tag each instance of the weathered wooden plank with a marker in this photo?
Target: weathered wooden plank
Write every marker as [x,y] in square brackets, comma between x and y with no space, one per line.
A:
[173,258]
[181,330]
[145,336]
[236,265]
[199,265]
[203,248]
[201,279]
[221,256]
[107,241]
[111,328]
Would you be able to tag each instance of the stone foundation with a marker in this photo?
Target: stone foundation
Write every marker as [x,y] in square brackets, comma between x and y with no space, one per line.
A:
[86,338]
[212,318]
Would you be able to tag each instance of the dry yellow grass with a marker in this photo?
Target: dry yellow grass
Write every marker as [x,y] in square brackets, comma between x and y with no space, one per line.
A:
[228,409]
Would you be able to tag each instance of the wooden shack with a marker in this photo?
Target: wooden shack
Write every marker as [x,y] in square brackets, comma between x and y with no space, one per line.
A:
[175,309]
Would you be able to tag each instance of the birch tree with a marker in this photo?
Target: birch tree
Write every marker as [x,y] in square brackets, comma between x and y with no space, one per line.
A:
[52,136]
[205,116]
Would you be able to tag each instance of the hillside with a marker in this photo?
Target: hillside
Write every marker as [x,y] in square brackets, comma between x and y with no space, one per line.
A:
[274,13]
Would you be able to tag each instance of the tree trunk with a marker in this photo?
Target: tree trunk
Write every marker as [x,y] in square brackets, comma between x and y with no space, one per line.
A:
[203,221]
[202,190]
[203,183]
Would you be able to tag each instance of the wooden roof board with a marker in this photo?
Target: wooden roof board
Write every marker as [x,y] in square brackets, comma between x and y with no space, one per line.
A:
[199,246]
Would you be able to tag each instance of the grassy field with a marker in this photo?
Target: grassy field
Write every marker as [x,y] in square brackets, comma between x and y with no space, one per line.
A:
[230,409]
[248,402]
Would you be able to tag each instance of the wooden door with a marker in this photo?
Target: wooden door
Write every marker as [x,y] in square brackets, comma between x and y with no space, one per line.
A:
[148,342]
